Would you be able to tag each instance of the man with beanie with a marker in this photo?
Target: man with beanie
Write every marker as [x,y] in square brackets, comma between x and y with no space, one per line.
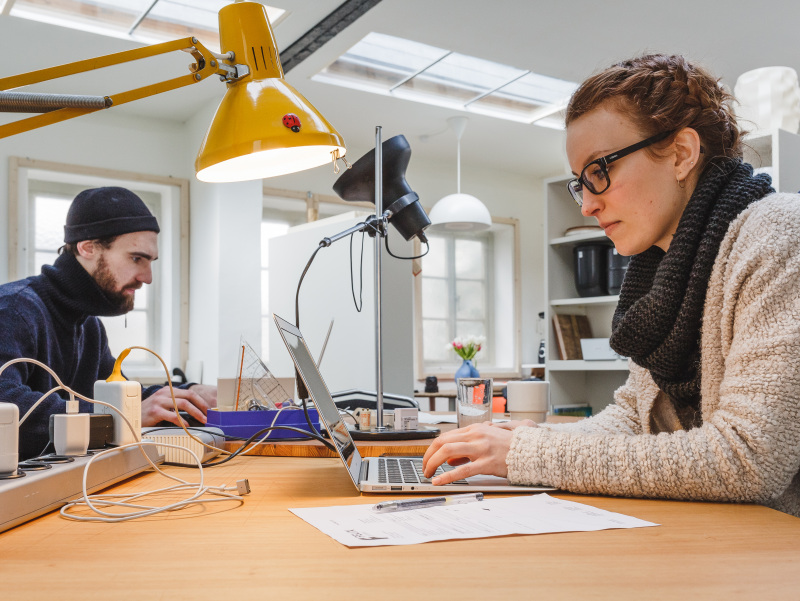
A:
[111,240]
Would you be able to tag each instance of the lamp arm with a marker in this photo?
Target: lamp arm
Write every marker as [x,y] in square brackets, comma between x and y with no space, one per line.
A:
[207,63]
[363,226]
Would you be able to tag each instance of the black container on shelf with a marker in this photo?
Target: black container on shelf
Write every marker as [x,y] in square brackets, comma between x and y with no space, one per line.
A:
[617,267]
[590,269]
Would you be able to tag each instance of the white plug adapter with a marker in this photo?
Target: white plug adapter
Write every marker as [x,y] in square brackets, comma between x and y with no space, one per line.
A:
[127,397]
[71,433]
[9,438]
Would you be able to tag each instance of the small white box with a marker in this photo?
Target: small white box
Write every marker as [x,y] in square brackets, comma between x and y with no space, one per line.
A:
[71,433]
[406,418]
[368,418]
[126,396]
[9,438]
[598,349]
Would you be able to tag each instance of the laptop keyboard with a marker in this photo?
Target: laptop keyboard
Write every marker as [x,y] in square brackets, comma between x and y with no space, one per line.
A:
[407,470]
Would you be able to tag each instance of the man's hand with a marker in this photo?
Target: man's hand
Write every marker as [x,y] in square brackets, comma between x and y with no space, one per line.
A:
[207,393]
[159,407]
[476,449]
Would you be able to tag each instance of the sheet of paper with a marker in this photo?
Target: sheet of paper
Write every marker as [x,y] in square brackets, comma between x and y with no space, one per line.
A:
[429,418]
[361,526]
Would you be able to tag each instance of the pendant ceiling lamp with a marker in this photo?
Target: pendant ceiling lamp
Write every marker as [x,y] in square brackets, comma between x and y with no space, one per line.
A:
[460,212]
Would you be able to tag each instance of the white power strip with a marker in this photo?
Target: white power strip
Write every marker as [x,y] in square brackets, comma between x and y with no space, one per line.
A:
[178,437]
[38,492]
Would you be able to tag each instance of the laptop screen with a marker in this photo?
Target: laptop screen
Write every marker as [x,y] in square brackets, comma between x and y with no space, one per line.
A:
[327,409]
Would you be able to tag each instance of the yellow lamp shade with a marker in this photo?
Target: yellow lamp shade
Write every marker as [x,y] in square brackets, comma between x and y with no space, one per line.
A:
[263,126]
[251,136]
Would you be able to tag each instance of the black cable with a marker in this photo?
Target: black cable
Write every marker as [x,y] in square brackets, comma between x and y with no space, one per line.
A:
[386,242]
[308,421]
[360,275]
[228,437]
[301,388]
[300,283]
[351,415]
[263,431]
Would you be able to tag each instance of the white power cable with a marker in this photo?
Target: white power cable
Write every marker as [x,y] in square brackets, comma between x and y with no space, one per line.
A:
[92,501]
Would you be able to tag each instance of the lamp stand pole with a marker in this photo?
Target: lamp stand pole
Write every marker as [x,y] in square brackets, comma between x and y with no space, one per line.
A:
[378,257]
[378,227]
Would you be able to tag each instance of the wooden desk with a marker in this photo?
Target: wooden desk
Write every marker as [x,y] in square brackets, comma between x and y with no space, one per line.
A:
[312,448]
[259,550]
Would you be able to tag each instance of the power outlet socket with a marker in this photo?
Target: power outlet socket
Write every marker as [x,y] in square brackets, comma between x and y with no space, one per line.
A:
[127,397]
[9,438]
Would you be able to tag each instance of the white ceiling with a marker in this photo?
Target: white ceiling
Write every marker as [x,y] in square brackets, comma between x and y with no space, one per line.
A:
[569,40]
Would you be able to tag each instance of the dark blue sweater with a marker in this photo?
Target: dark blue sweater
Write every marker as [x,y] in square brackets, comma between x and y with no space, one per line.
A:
[52,317]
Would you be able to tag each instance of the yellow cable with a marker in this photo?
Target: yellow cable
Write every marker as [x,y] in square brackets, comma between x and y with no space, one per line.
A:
[116,371]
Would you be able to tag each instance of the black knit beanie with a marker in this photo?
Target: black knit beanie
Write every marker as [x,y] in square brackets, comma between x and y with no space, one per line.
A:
[105,212]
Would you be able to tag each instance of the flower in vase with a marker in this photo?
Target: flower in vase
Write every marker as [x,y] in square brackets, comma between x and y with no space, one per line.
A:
[468,347]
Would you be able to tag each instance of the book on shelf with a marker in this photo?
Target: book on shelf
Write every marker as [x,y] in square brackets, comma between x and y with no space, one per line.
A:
[574,410]
[568,330]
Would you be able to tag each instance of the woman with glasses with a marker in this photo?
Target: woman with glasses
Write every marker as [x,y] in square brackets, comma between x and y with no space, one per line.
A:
[709,312]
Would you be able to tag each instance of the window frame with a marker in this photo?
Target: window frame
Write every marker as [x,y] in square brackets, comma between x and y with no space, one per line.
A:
[447,371]
[452,279]
[313,202]
[176,284]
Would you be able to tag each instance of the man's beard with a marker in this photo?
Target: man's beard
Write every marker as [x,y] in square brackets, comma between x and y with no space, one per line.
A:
[104,278]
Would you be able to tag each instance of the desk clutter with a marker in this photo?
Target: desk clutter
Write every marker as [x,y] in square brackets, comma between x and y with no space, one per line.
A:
[363,526]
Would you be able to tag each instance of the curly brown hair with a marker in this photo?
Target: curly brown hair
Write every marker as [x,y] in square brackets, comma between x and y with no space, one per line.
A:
[665,93]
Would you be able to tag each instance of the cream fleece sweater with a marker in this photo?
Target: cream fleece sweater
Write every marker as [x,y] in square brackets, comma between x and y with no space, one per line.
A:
[748,447]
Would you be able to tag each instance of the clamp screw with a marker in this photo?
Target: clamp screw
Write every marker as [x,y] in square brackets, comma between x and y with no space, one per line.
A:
[198,77]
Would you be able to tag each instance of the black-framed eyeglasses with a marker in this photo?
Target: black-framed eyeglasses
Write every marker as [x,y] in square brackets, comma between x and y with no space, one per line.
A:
[595,175]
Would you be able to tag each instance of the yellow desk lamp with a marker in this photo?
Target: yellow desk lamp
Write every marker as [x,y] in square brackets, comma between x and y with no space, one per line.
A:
[262,128]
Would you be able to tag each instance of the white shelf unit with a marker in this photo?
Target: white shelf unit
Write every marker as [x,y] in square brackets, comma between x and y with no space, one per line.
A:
[778,153]
[574,381]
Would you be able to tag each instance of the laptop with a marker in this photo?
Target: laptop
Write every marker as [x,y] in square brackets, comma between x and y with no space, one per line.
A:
[376,474]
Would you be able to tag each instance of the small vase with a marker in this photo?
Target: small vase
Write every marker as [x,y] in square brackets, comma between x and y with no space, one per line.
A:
[467,370]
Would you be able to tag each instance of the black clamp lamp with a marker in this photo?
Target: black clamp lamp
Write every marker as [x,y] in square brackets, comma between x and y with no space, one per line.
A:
[379,177]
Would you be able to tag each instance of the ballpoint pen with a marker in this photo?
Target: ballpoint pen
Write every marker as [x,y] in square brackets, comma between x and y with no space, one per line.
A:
[389,506]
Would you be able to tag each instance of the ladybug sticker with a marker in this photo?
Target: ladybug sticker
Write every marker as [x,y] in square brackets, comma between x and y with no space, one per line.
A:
[292,121]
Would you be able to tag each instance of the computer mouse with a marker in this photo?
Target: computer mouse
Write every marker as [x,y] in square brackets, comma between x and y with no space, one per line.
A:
[189,419]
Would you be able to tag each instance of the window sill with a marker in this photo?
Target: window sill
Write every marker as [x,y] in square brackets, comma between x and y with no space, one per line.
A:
[448,374]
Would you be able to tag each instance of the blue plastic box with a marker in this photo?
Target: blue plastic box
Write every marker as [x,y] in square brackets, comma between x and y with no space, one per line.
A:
[244,424]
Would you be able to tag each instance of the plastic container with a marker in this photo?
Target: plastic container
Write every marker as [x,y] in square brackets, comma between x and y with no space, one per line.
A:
[617,267]
[590,269]
[243,424]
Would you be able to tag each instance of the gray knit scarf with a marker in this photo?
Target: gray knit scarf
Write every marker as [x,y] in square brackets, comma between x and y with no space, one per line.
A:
[660,312]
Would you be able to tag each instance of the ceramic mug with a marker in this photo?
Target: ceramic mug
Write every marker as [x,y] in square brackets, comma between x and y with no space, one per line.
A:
[528,400]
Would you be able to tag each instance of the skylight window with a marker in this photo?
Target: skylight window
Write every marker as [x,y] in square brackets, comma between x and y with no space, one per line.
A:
[148,21]
[392,66]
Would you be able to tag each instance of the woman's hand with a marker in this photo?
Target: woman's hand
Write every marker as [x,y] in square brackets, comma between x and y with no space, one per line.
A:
[476,449]
[525,423]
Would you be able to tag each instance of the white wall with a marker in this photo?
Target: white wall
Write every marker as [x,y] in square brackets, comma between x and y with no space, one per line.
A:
[225,219]
[349,360]
[104,140]
[505,194]
[224,255]
[225,264]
